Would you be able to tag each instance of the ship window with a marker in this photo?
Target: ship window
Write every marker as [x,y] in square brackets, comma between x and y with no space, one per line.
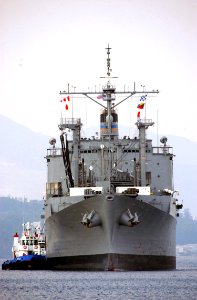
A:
[54,188]
[30,242]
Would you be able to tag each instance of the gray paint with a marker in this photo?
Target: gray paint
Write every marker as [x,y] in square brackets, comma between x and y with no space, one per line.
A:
[110,163]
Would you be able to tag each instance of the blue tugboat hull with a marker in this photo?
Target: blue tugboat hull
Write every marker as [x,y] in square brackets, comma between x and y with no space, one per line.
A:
[26,262]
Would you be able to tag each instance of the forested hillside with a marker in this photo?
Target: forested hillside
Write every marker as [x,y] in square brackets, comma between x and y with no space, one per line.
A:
[13,214]
[186,229]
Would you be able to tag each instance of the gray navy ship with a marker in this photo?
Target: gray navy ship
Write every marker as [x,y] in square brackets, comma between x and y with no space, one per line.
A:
[110,201]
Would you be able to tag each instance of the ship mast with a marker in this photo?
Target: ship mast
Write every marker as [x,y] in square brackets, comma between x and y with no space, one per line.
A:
[108,95]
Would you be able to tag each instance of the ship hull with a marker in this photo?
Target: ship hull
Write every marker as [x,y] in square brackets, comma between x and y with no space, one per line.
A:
[111,245]
[27,262]
[113,262]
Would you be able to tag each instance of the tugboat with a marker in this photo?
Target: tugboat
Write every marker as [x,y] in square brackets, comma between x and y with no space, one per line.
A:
[110,200]
[29,251]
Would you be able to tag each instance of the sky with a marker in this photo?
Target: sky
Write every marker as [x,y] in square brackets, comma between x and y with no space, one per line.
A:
[47,44]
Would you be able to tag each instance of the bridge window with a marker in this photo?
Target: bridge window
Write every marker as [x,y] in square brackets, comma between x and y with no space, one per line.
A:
[54,189]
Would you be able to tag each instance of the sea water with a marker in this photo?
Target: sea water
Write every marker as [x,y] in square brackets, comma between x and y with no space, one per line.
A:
[154,285]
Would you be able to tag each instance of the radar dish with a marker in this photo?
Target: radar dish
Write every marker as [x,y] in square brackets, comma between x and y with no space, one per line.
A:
[163,139]
[52,141]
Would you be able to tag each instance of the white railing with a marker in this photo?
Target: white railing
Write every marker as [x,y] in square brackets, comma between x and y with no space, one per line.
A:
[54,152]
[162,150]
[69,121]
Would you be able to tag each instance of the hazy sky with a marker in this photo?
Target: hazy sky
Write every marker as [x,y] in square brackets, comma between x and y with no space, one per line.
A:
[46,44]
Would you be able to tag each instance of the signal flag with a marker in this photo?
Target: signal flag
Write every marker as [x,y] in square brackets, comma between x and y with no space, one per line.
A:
[64,100]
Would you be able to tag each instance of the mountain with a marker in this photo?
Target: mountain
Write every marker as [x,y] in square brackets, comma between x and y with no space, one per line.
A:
[23,167]
[185,171]
[186,228]
[22,163]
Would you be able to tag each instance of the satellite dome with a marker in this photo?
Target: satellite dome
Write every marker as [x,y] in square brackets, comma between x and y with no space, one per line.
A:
[163,139]
[52,141]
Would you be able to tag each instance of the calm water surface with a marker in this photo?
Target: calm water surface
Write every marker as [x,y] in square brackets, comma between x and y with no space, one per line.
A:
[179,284]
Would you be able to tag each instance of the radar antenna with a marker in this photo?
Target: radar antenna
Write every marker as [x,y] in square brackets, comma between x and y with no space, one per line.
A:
[108,60]
[108,64]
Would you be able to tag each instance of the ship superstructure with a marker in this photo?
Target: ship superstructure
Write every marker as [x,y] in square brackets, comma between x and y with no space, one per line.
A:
[110,202]
[31,242]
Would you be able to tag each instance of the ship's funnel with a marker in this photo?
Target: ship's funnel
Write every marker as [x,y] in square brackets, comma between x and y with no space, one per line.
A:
[108,123]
